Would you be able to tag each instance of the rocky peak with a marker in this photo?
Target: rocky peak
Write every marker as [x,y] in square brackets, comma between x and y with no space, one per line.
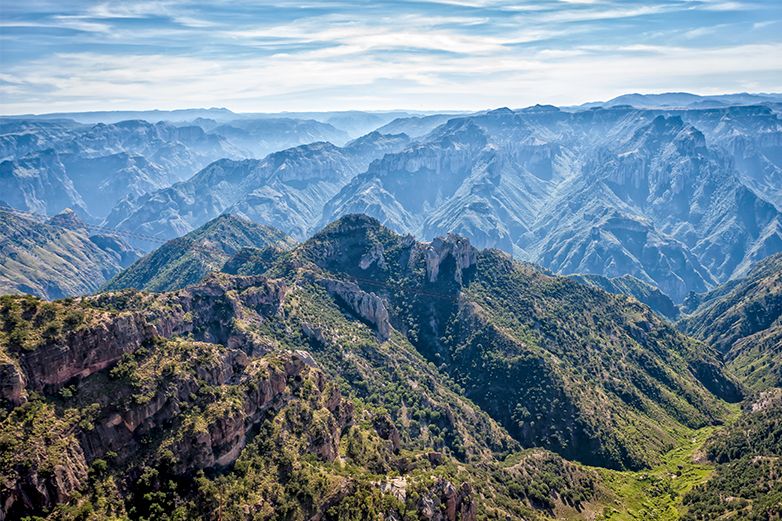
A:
[452,246]
[664,131]
[350,224]
[67,219]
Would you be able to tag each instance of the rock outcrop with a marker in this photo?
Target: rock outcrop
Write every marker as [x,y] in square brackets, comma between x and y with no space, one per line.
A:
[454,247]
[446,502]
[12,384]
[367,306]
[264,386]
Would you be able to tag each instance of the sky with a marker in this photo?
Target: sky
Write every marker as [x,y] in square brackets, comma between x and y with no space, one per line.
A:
[283,55]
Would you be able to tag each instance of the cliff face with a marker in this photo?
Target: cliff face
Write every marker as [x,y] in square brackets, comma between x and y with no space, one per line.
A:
[682,200]
[357,354]
[120,425]
[518,340]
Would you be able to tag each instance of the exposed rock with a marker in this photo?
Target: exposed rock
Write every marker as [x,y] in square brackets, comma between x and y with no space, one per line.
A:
[396,487]
[12,384]
[265,386]
[46,489]
[445,502]
[386,429]
[66,219]
[454,246]
[373,256]
[367,306]
[85,351]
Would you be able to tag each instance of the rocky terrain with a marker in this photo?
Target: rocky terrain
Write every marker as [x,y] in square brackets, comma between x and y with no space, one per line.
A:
[285,190]
[611,192]
[672,191]
[186,260]
[358,375]
[47,165]
[56,258]
[743,319]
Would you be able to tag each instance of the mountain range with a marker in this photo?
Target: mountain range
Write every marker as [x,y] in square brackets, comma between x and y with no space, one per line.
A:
[187,259]
[680,198]
[606,191]
[56,258]
[284,190]
[47,165]
[360,372]
[533,314]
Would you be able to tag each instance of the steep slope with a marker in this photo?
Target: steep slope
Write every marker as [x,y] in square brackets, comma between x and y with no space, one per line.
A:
[629,285]
[753,137]
[92,168]
[184,261]
[251,394]
[484,177]
[747,483]
[611,192]
[595,377]
[693,194]
[286,189]
[58,258]
[743,320]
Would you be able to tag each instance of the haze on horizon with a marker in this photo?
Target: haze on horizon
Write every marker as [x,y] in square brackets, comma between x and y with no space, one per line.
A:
[280,55]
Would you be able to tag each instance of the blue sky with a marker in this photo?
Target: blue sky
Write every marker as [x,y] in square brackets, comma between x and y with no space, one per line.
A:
[64,55]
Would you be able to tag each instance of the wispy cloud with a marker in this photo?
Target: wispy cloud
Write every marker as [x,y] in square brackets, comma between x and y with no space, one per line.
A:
[329,54]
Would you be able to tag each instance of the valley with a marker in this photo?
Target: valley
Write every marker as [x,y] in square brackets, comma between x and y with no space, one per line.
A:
[511,314]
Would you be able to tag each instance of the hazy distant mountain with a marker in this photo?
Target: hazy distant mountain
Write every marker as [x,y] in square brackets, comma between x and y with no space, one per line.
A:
[753,138]
[353,123]
[53,164]
[629,285]
[684,100]
[286,190]
[57,258]
[91,168]
[115,116]
[415,126]
[259,137]
[603,191]
[184,261]
[681,199]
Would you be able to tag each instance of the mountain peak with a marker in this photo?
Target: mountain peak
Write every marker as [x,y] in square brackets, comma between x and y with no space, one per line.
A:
[186,260]
[350,223]
[502,111]
[67,219]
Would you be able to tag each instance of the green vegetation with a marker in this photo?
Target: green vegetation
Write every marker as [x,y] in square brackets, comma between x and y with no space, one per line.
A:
[184,261]
[27,322]
[594,377]
[629,285]
[743,319]
[747,483]
[281,396]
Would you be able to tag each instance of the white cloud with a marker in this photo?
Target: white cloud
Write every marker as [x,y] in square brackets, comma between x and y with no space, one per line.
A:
[463,56]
